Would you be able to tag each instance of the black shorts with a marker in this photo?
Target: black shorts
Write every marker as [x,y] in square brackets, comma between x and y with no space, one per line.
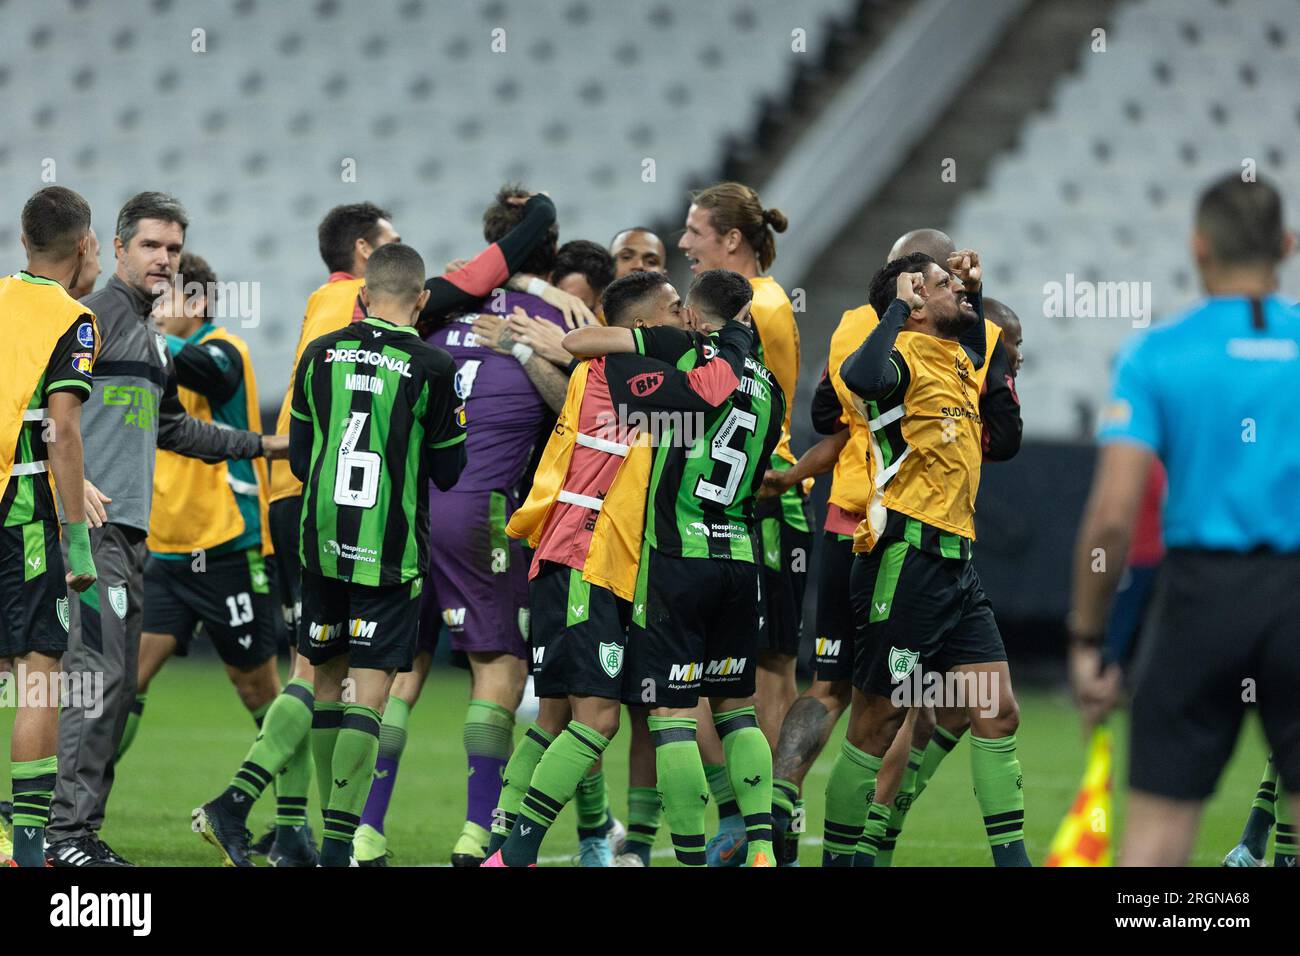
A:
[284,517]
[832,657]
[578,636]
[911,606]
[694,630]
[375,627]
[784,549]
[33,593]
[231,595]
[1222,634]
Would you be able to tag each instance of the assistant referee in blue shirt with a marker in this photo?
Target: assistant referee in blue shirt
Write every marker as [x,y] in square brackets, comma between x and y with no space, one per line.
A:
[1213,392]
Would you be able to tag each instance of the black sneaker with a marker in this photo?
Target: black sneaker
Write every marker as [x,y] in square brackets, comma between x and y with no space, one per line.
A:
[223,830]
[297,852]
[80,851]
[377,861]
[110,855]
[262,845]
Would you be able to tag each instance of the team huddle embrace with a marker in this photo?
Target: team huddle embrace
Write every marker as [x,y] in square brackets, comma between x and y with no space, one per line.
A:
[551,458]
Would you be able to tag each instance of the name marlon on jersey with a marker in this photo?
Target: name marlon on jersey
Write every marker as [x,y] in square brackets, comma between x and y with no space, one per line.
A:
[367,357]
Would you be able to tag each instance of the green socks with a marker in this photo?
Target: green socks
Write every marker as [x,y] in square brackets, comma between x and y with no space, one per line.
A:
[132,725]
[898,811]
[280,745]
[720,786]
[1284,839]
[33,783]
[940,745]
[561,769]
[392,733]
[873,833]
[683,788]
[749,763]
[995,770]
[325,722]
[1263,813]
[592,803]
[514,784]
[642,821]
[852,777]
[352,767]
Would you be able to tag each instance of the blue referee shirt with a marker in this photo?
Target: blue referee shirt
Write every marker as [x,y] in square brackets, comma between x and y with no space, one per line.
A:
[1218,401]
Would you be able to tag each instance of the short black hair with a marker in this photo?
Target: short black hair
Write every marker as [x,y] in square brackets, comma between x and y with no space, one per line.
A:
[501,216]
[622,294]
[1242,221]
[999,313]
[395,270]
[587,258]
[884,284]
[623,232]
[149,205]
[719,293]
[54,220]
[195,269]
[341,228]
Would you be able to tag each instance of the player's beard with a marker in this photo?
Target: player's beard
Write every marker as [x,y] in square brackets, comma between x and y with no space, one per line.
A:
[952,326]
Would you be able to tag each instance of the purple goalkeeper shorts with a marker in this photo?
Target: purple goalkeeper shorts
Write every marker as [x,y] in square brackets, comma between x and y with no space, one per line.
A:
[477,586]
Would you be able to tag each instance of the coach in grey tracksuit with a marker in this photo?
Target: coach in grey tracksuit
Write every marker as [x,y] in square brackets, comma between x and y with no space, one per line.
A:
[133,410]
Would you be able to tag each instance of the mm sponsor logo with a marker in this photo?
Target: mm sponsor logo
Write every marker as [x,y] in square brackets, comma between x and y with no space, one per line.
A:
[73,909]
[685,673]
[726,667]
[453,617]
[322,634]
[361,629]
[825,647]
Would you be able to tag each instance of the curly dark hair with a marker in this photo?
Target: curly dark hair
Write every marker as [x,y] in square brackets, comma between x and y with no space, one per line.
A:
[587,258]
[884,284]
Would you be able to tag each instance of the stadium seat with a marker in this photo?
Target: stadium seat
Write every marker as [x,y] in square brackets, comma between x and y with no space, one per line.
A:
[262,120]
[1103,182]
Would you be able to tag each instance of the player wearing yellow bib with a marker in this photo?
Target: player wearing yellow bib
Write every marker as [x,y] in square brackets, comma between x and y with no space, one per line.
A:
[917,600]
[45,375]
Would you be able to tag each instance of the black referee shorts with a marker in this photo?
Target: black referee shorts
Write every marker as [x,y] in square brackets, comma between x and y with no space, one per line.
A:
[1224,633]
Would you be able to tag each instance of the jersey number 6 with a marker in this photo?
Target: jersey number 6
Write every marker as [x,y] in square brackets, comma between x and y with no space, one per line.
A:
[356,481]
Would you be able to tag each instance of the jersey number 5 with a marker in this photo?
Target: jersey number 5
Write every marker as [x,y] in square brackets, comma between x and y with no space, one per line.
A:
[735,459]
[356,481]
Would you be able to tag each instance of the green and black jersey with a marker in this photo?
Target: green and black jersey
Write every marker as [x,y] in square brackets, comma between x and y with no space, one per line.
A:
[707,470]
[379,400]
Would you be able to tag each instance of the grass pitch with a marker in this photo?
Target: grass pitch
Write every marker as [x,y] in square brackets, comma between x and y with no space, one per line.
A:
[194,735]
